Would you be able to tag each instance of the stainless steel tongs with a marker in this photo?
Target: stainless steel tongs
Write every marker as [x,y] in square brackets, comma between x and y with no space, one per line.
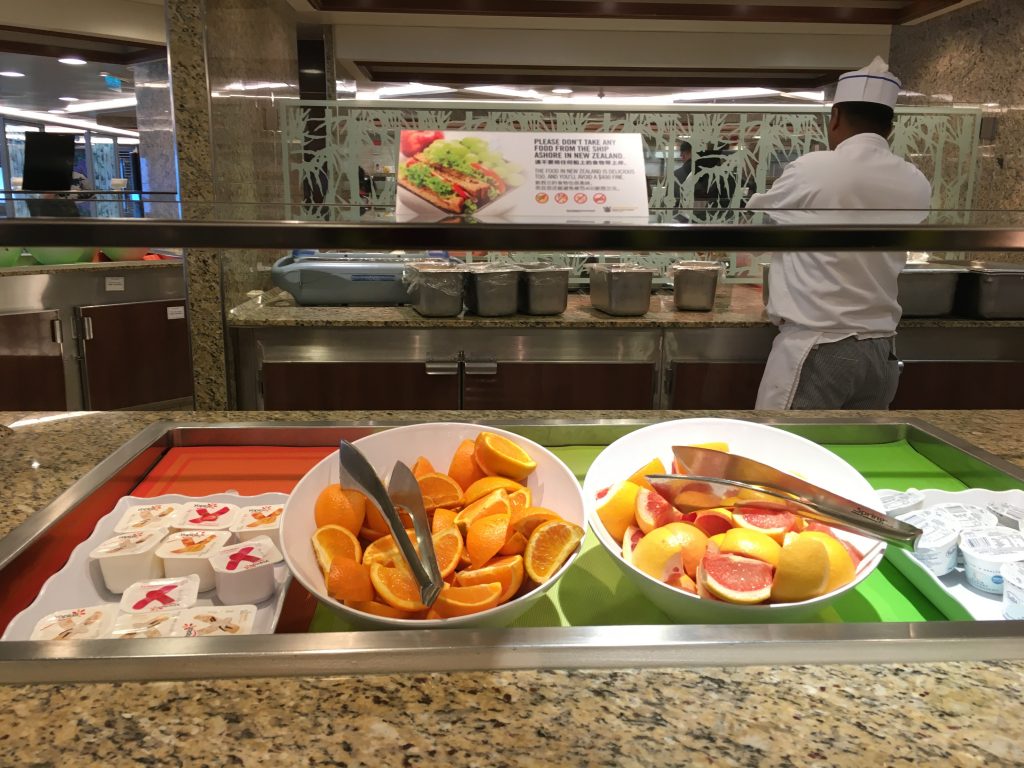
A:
[709,466]
[357,472]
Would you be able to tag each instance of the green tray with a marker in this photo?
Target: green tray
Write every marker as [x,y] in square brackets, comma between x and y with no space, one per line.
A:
[594,592]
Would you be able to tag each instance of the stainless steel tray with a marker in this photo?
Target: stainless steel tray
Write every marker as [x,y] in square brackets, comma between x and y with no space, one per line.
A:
[463,649]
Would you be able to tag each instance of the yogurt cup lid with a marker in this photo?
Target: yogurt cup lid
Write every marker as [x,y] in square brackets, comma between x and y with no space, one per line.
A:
[893,501]
[1013,573]
[192,544]
[963,516]
[143,516]
[131,626]
[997,544]
[1005,509]
[238,558]
[259,518]
[214,515]
[213,620]
[75,623]
[161,594]
[130,543]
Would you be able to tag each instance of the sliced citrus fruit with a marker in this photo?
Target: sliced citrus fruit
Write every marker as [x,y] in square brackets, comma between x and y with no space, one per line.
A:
[442,519]
[495,503]
[759,517]
[713,521]
[682,582]
[802,572]
[448,548]
[488,485]
[396,587]
[497,455]
[617,507]
[676,546]
[463,601]
[629,541]
[439,491]
[549,546]
[841,566]
[463,469]
[385,551]
[653,467]
[374,517]
[379,609]
[486,536]
[651,511]
[531,517]
[520,500]
[340,506]
[508,571]
[750,543]
[331,541]
[349,580]
[737,579]
[515,544]
[422,467]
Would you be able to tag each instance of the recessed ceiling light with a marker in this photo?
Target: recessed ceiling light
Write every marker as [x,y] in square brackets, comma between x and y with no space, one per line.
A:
[73,61]
[11,73]
[66,98]
[561,90]
[97,106]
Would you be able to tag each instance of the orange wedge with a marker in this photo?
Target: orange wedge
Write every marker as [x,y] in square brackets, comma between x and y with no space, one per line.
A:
[439,491]
[340,506]
[379,609]
[464,470]
[549,547]
[349,580]
[507,571]
[530,518]
[515,544]
[422,467]
[384,551]
[488,485]
[463,601]
[442,519]
[498,455]
[485,537]
[396,587]
[495,503]
[331,541]
[448,549]
[653,467]
[520,500]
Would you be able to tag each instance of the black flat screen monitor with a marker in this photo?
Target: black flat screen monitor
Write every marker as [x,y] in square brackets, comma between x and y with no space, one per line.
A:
[49,161]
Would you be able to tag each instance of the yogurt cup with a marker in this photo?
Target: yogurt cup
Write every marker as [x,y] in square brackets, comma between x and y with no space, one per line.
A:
[214,620]
[134,626]
[143,516]
[1009,515]
[1013,590]
[900,502]
[185,552]
[205,516]
[964,516]
[161,595]
[985,551]
[937,547]
[130,557]
[245,572]
[264,519]
[76,623]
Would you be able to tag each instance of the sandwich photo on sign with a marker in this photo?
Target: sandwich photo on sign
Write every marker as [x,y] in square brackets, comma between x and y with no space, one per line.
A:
[454,172]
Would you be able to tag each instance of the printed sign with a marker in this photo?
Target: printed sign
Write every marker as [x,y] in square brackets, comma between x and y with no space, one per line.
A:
[518,176]
[175,313]
[113,283]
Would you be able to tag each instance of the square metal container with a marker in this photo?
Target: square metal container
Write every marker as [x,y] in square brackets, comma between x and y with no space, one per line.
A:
[543,289]
[928,289]
[492,290]
[694,284]
[436,290]
[992,290]
[621,289]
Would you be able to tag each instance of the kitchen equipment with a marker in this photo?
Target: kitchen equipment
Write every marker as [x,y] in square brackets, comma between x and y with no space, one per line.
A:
[808,500]
[992,290]
[436,290]
[623,290]
[694,284]
[336,279]
[356,472]
[492,290]
[927,289]
[543,288]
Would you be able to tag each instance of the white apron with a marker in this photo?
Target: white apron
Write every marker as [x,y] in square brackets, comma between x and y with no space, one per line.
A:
[782,373]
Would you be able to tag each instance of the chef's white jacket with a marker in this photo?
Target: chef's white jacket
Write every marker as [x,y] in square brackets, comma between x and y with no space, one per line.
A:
[818,297]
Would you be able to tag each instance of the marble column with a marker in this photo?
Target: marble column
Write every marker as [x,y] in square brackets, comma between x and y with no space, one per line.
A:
[157,155]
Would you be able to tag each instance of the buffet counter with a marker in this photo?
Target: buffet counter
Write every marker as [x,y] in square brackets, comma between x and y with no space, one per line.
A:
[954,713]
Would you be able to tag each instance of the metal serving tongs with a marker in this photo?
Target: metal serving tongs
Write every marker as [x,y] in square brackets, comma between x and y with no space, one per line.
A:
[705,465]
[358,473]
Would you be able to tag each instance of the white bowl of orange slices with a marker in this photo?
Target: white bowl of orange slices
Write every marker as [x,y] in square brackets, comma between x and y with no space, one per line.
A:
[714,558]
[507,518]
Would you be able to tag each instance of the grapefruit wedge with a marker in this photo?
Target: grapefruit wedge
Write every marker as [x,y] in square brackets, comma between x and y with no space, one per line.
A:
[736,579]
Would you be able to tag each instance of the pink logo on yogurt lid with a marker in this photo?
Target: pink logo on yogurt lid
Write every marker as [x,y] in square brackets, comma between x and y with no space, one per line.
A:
[160,595]
[243,555]
[208,515]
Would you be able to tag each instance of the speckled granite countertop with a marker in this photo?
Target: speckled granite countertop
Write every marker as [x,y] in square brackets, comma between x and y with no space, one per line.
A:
[948,714]
[736,306]
[102,266]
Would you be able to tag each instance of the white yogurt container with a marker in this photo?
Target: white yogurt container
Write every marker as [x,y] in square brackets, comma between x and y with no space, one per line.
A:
[937,548]
[964,516]
[1013,590]
[205,516]
[130,557]
[264,519]
[214,620]
[134,626]
[900,502]
[185,552]
[142,516]
[76,623]
[985,551]
[1009,515]
[245,572]
[161,595]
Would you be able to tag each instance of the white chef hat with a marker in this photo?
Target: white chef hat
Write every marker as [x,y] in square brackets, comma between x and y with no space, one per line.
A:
[874,83]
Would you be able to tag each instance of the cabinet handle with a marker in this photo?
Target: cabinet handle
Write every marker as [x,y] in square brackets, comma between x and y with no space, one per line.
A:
[57,331]
[442,367]
[87,328]
[481,367]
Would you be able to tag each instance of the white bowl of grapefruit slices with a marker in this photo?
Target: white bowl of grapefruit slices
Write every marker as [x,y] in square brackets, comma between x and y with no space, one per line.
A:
[714,556]
[507,518]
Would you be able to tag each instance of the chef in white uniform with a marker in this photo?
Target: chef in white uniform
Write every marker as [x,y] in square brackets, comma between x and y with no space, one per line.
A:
[837,312]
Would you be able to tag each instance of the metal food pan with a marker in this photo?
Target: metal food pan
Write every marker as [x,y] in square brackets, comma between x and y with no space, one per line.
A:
[513,648]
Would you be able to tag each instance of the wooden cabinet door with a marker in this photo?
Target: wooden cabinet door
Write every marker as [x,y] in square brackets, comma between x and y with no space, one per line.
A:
[961,384]
[135,354]
[559,386]
[359,386]
[31,362]
[726,385]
